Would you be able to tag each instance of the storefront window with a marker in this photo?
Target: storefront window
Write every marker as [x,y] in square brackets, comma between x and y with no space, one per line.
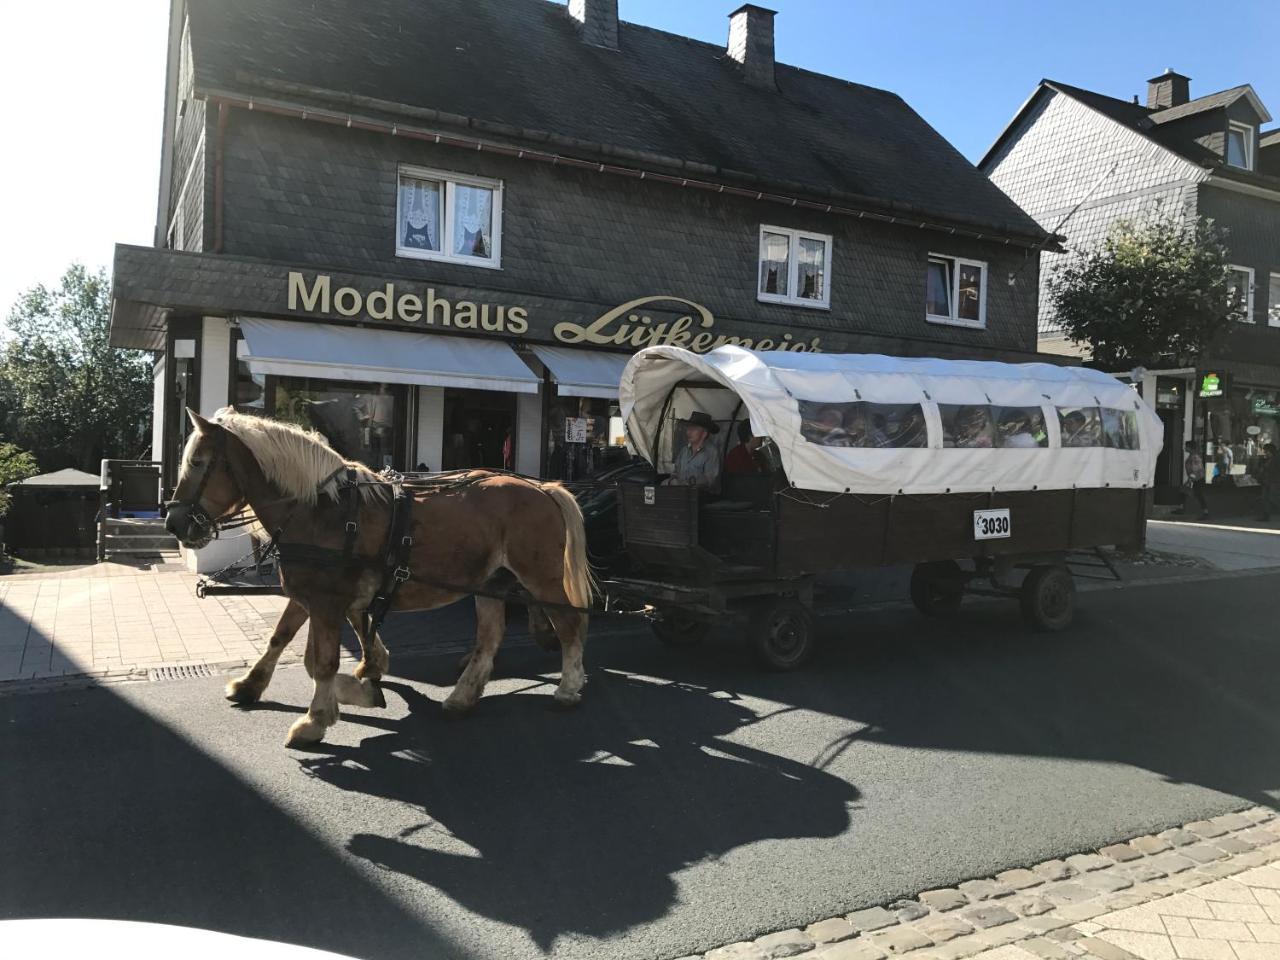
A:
[1239,426]
[584,437]
[248,389]
[362,421]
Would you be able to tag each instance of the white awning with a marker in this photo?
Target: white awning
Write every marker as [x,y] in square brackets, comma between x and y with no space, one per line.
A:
[583,373]
[329,352]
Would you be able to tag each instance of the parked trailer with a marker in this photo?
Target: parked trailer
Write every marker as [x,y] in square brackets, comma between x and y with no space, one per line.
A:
[986,477]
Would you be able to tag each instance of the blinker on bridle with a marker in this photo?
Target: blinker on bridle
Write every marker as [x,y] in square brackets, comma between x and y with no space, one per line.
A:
[195,512]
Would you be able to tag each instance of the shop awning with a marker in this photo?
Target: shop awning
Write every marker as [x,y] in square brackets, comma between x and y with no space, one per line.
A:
[329,352]
[583,373]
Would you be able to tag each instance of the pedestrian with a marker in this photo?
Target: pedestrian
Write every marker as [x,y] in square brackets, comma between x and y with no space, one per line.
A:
[1194,486]
[1270,482]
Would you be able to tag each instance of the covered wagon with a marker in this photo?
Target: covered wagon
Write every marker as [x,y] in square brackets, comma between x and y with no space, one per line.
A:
[982,475]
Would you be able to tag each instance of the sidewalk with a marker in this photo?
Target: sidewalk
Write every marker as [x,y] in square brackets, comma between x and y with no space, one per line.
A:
[1246,545]
[1209,890]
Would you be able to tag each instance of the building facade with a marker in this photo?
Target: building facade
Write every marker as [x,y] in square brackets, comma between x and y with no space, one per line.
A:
[1079,161]
[436,231]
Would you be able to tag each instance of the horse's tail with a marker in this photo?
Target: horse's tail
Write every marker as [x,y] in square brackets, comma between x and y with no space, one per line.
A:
[579,584]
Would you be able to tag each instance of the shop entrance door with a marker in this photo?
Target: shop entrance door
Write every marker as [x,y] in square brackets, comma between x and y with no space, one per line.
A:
[479,429]
[1169,406]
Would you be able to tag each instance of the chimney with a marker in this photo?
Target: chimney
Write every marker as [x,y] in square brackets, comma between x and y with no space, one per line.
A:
[751,43]
[1168,90]
[597,20]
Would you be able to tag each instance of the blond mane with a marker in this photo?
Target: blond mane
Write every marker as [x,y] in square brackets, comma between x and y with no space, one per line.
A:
[299,463]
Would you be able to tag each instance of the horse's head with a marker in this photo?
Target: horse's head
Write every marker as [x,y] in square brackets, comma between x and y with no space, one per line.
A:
[209,485]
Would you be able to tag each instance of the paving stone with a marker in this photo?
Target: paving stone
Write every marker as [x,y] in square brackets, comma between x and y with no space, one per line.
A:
[873,918]
[1106,881]
[785,943]
[1065,934]
[1178,837]
[737,951]
[1258,836]
[1047,949]
[1105,950]
[1150,845]
[990,915]
[1031,906]
[1234,844]
[1223,868]
[1120,852]
[1069,891]
[1019,879]
[908,910]
[999,936]
[1202,853]
[831,931]
[1260,814]
[942,929]
[1087,862]
[944,899]
[1206,829]
[1054,870]
[1131,898]
[1044,925]
[900,939]
[849,950]
[984,890]
[1143,871]
[1076,912]
[1232,822]
[1172,863]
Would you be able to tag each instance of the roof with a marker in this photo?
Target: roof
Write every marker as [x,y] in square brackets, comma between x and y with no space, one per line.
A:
[784,393]
[1157,125]
[61,478]
[519,68]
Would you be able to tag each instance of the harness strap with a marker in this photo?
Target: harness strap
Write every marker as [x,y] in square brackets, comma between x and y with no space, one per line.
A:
[350,494]
[395,570]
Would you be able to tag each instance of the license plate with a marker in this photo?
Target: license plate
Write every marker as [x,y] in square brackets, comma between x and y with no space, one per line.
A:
[991,524]
[649,496]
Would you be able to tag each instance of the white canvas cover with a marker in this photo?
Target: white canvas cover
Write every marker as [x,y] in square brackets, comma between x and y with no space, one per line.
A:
[330,352]
[769,387]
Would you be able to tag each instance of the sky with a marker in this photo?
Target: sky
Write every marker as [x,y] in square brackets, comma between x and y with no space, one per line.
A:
[82,87]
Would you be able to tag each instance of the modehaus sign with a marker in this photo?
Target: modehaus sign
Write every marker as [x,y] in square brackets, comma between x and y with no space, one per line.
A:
[626,325]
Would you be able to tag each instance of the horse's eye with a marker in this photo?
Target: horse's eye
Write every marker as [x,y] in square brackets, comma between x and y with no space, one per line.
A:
[197,463]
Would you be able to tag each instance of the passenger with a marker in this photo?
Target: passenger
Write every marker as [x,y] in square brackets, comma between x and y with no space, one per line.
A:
[698,462]
[972,427]
[877,437]
[745,458]
[1017,430]
[1077,431]
[828,429]
[911,431]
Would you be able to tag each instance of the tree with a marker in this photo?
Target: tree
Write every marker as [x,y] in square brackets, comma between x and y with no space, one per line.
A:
[15,465]
[1151,294]
[66,394]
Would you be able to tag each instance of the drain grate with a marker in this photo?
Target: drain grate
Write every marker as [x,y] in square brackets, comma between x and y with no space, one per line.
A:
[184,672]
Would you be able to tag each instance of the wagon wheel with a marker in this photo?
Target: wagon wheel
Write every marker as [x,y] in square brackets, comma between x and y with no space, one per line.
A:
[937,588]
[679,629]
[1048,597]
[782,632]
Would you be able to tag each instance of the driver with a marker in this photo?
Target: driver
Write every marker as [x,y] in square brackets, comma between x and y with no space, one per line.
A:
[698,463]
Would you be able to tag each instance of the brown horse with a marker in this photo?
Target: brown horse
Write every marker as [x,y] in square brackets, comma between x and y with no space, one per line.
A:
[461,535]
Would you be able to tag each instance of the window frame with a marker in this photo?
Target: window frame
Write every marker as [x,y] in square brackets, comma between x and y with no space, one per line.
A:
[956,320]
[1247,130]
[449,180]
[1248,317]
[794,236]
[1273,299]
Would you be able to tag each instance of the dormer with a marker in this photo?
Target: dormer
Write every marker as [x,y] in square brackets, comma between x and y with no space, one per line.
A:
[1240,148]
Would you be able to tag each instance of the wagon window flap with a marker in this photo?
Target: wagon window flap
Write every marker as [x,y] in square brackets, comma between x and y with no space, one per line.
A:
[863,424]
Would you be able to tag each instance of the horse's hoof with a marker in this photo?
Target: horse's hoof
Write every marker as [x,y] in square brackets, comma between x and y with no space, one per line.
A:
[377,698]
[304,733]
[457,708]
[367,671]
[242,691]
[566,701]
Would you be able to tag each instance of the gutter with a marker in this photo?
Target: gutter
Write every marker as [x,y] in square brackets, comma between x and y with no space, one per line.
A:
[373,125]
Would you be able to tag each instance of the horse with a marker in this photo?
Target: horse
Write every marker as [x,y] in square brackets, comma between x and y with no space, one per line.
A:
[462,533]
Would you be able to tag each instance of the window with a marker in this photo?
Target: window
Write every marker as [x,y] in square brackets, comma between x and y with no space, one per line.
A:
[248,389]
[1241,288]
[446,216]
[956,291]
[795,267]
[863,424]
[1020,427]
[1119,429]
[1240,145]
[1081,426]
[1273,300]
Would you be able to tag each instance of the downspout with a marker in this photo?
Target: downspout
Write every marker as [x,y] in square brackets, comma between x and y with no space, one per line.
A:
[224,112]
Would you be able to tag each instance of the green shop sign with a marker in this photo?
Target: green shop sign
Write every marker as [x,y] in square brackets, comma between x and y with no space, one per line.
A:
[1211,385]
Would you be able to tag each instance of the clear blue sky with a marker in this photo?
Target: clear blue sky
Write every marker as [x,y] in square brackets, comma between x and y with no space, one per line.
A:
[81,87]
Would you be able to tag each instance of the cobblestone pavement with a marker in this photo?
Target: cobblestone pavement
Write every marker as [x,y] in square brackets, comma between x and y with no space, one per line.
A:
[1209,890]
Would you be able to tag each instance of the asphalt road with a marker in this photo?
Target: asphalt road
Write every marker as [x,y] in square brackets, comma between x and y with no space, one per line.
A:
[691,801]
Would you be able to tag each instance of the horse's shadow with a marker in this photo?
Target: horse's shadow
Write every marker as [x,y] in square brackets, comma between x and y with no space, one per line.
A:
[578,821]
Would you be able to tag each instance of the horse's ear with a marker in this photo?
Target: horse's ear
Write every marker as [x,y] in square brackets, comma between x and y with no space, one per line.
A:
[200,423]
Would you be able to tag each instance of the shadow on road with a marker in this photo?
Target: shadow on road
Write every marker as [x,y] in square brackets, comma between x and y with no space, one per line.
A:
[579,821]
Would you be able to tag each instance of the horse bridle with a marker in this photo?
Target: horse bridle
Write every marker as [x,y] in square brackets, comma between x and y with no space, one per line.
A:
[195,512]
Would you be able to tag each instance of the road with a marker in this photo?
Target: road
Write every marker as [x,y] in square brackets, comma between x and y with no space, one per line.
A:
[691,801]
